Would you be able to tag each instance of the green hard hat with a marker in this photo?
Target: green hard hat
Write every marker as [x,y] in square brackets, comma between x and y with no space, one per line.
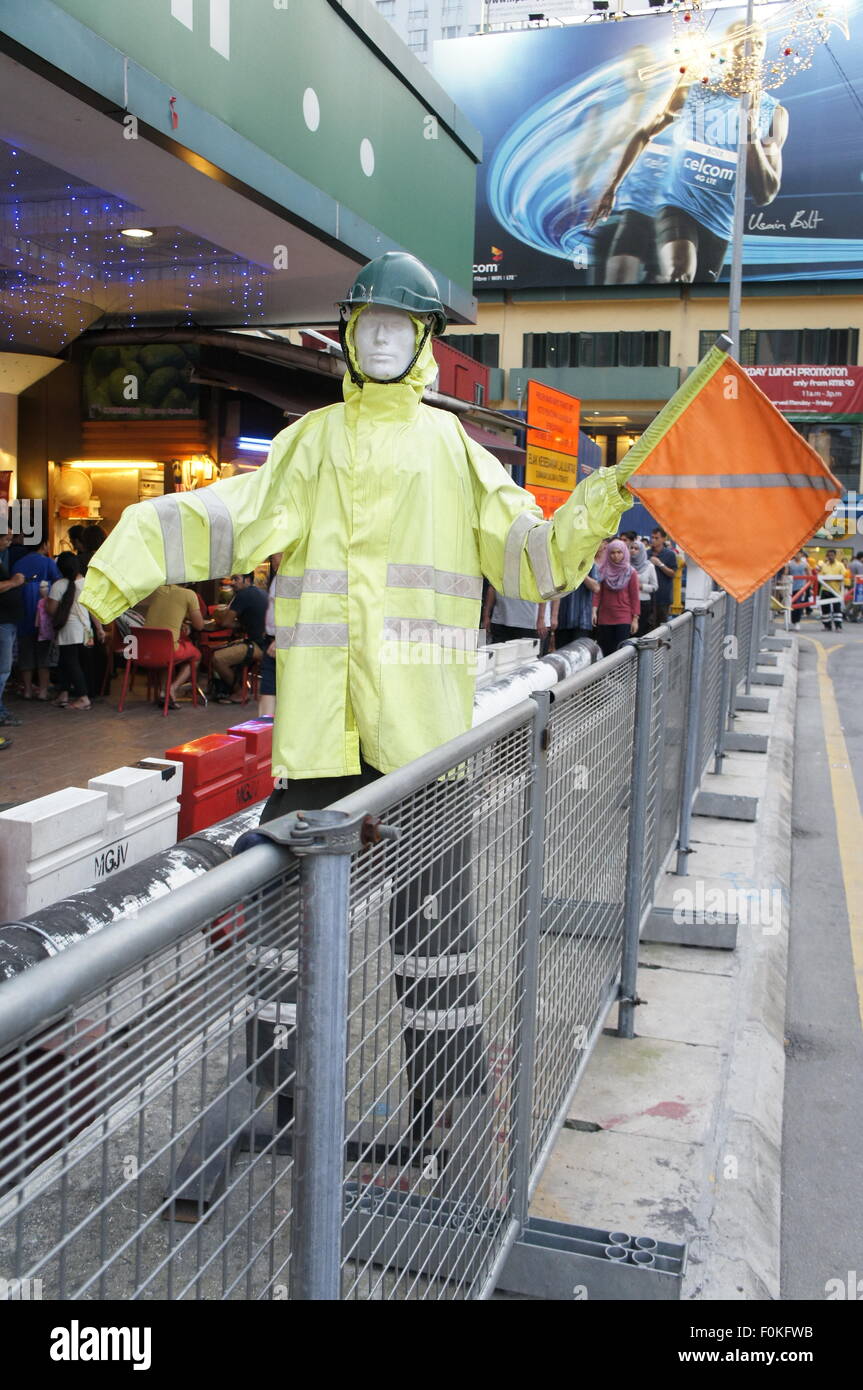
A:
[400,281]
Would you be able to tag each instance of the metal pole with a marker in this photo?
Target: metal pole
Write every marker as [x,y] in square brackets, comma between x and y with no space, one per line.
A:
[735,287]
[322,1004]
[754,642]
[529,1002]
[635,850]
[693,722]
[729,665]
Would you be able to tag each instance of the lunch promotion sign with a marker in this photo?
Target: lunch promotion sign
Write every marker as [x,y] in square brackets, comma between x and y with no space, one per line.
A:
[811,393]
[558,108]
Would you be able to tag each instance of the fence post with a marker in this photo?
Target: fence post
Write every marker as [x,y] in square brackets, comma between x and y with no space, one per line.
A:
[754,640]
[324,842]
[693,720]
[529,1004]
[726,688]
[646,648]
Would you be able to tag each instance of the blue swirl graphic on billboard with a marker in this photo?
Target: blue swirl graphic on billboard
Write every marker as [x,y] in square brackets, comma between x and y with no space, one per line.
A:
[552,165]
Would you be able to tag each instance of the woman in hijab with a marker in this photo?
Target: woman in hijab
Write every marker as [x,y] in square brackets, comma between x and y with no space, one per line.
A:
[619,600]
[647,582]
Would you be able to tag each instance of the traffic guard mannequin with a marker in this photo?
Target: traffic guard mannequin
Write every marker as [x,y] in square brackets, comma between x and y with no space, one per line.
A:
[388,515]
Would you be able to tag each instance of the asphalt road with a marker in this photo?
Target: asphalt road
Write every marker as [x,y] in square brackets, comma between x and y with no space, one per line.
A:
[822,1159]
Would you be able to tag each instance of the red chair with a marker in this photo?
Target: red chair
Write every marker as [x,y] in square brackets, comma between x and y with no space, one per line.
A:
[153,650]
[250,679]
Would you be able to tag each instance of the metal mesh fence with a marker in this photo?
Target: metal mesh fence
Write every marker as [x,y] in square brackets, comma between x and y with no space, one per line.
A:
[655,759]
[147,1132]
[434,1026]
[679,660]
[711,687]
[584,868]
[745,614]
[114,1116]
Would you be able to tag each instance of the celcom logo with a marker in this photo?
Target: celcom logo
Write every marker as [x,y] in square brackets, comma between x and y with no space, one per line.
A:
[488,266]
[77,1343]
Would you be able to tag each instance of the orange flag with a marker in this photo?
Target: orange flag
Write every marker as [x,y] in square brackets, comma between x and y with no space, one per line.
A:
[727,476]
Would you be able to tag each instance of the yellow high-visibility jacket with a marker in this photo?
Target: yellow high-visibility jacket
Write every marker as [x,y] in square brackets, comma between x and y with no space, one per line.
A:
[388,515]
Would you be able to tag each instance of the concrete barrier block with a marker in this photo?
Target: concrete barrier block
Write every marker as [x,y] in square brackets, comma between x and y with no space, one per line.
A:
[132,791]
[50,823]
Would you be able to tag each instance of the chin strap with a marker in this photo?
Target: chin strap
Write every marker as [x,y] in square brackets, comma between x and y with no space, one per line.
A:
[359,380]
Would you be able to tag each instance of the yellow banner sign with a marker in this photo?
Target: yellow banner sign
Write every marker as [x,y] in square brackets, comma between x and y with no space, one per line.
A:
[548,468]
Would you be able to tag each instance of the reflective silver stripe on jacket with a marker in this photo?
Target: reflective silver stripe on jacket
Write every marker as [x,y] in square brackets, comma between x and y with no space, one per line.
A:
[168,512]
[448,582]
[221,531]
[539,551]
[312,582]
[428,630]
[433,1020]
[713,480]
[312,635]
[523,523]
[419,967]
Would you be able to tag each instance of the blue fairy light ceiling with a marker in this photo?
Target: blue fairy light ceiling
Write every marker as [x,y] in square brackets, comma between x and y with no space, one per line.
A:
[64,263]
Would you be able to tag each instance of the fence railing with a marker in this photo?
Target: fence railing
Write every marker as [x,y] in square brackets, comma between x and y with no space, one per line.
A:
[335,1066]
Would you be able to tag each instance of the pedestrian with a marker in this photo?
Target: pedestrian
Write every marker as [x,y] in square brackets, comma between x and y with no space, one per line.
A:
[507,619]
[833,576]
[10,613]
[618,603]
[247,612]
[797,570]
[74,628]
[664,559]
[176,608]
[37,567]
[575,609]
[648,583]
[92,537]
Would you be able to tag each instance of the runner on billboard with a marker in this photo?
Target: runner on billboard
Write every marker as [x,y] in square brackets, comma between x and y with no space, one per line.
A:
[696,204]
[633,255]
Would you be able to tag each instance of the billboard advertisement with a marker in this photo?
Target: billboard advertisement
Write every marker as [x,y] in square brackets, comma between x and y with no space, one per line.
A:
[611,150]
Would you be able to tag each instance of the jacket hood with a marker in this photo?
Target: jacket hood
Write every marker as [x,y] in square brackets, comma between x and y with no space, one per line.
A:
[421,374]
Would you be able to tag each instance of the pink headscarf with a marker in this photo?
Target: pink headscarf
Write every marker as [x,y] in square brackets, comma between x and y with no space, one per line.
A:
[614,573]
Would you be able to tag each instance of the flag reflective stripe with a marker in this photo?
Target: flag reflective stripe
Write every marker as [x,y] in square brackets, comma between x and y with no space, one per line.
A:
[539,552]
[312,582]
[447,582]
[172,537]
[311,635]
[221,531]
[513,548]
[423,629]
[727,480]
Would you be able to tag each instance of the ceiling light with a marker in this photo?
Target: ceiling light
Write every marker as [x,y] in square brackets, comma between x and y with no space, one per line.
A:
[137,233]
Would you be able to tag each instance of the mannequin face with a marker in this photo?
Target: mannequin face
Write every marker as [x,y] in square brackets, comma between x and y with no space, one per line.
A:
[385,341]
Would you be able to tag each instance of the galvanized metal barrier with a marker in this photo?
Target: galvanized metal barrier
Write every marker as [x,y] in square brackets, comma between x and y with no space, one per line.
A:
[355,1096]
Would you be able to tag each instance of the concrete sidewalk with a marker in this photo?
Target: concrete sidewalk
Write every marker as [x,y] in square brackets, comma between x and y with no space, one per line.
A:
[676,1134]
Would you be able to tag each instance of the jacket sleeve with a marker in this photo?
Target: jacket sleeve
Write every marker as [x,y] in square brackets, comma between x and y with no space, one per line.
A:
[184,537]
[524,556]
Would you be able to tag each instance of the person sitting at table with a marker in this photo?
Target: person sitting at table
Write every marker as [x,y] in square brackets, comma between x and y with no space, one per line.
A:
[175,607]
[247,613]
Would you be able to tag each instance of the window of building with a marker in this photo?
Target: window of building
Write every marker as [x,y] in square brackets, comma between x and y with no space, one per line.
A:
[387,8]
[783,347]
[452,31]
[482,347]
[596,349]
[418,39]
[417,13]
